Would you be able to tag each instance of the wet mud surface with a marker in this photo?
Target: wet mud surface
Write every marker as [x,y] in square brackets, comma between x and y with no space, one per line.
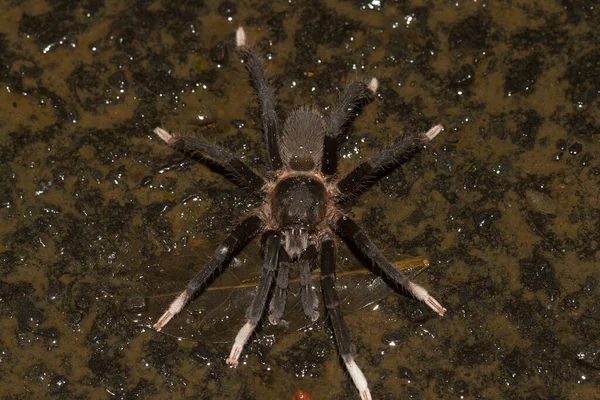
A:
[99,219]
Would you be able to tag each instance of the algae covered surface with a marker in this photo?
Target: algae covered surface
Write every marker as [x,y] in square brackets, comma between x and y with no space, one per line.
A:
[101,224]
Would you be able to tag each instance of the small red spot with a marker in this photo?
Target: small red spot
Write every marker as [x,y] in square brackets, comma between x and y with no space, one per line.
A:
[302,395]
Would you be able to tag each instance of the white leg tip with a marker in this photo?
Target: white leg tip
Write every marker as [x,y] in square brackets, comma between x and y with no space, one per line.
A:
[373,85]
[421,294]
[174,309]
[240,37]
[357,377]
[432,133]
[239,343]
[164,135]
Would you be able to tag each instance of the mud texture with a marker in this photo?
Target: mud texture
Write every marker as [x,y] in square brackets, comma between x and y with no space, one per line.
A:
[98,217]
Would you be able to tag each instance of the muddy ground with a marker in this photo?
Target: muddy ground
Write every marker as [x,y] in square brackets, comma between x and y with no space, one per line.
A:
[99,218]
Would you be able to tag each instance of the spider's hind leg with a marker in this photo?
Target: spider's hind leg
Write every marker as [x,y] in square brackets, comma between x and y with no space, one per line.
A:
[334,312]
[266,98]
[228,247]
[347,228]
[256,309]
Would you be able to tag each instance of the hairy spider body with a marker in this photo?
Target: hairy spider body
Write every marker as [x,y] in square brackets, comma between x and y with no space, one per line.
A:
[299,215]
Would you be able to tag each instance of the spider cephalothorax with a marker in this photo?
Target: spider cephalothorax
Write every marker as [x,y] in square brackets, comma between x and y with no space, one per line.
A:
[300,215]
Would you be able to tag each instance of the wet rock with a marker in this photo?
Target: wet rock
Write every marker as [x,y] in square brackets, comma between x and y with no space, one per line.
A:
[471,33]
[162,351]
[522,76]
[135,303]
[103,365]
[460,389]
[536,273]
[83,299]
[227,9]
[464,77]
[37,373]
[590,285]
[118,81]
[540,202]
[29,316]
[528,124]
[575,149]
[589,355]
[202,353]
[58,384]
[146,181]
[143,389]
[584,78]
[406,373]
[394,338]
[514,366]
[306,357]
[218,53]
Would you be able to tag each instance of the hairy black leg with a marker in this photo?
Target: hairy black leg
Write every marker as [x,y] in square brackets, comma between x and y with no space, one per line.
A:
[256,309]
[310,301]
[347,228]
[334,312]
[360,177]
[266,98]
[279,297]
[237,239]
[342,114]
[242,174]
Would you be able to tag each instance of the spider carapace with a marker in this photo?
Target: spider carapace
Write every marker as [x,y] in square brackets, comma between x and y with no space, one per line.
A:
[300,213]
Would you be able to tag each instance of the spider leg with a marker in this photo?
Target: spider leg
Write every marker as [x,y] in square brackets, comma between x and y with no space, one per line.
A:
[310,301]
[359,177]
[343,112]
[217,154]
[266,98]
[347,228]
[256,309]
[232,243]
[334,312]
[278,299]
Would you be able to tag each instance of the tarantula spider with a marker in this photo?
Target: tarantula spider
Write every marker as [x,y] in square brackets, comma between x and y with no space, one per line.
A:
[300,213]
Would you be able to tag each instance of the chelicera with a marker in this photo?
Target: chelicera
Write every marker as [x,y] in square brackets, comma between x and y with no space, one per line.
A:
[300,214]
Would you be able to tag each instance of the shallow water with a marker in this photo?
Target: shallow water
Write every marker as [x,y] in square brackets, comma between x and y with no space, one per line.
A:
[95,209]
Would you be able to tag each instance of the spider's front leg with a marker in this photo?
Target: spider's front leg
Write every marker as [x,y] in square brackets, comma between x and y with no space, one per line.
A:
[360,177]
[237,239]
[347,228]
[199,147]
[266,97]
[353,96]
[256,309]
[334,312]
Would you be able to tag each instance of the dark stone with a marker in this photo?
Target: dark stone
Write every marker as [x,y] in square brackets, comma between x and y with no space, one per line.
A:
[218,53]
[522,76]
[575,149]
[135,303]
[464,77]
[470,34]
[58,384]
[538,274]
[227,9]
[589,355]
